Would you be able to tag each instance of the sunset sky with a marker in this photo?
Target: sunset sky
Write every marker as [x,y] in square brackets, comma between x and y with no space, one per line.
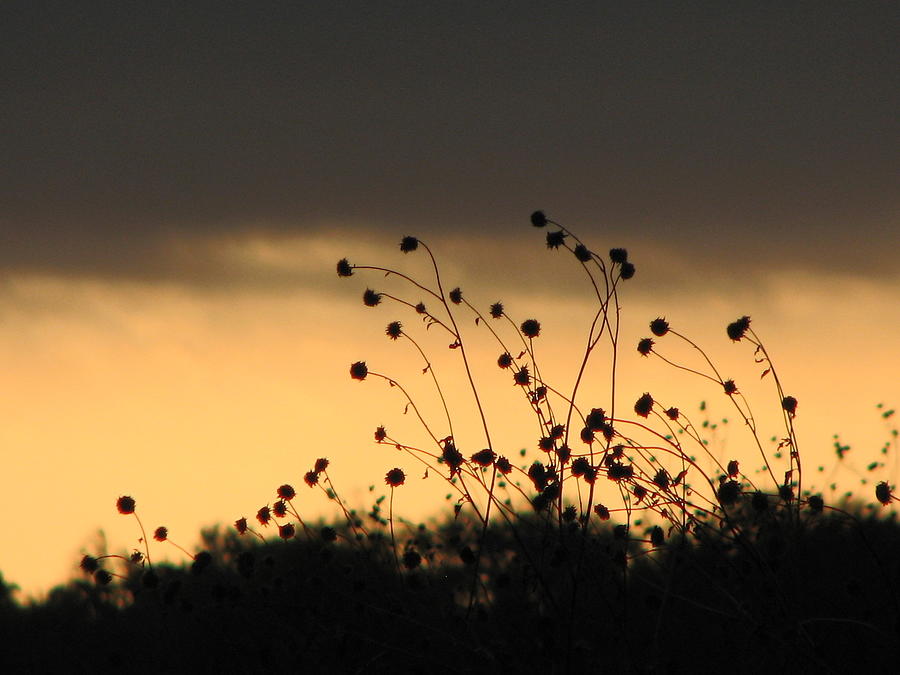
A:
[179,180]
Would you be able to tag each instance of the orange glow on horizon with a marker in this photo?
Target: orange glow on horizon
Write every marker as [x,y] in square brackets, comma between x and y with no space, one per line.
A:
[200,404]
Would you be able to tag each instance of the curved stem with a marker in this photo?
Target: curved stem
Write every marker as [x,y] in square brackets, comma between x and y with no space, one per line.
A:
[144,539]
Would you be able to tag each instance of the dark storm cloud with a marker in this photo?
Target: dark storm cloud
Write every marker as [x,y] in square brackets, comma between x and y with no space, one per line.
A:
[735,131]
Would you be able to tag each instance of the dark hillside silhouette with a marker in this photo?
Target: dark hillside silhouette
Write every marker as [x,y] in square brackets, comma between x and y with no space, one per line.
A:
[818,595]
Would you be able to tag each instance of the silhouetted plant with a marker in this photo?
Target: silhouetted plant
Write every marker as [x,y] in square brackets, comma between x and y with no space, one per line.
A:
[686,556]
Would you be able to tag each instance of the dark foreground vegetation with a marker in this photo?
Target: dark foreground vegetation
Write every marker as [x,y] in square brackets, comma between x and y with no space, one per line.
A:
[620,542]
[815,594]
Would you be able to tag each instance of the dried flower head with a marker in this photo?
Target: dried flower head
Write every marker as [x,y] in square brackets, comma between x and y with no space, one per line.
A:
[102,577]
[371,298]
[728,492]
[286,531]
[496,310]
[730,387]
[579,466]
[539,394]
[815,503]
[627,270]
[125,505]
[201,561]
[394,330]
[505,360]
[522,377]
[557,431]
[484,457]
[538,475]
[786,492]
[286,492]
[411,559]
[563,452]
[409,244]
[582,253]
[241,525]
[503,465]
[531,328]
[587,436]
[456,296]
[644,405]
[672,413]
[645,346]
[737,329]
[733,468]
[89,564]
[161,534]
[395,477]
[538,219]
[789,405]
[608,431]
[311,478]
[136,557]
[657,536]
[358,370]
[343,268]
[595,419]
[661,479]
[380,434]
[321,464]
[884,493]
[279,509]
[601,511]
[619,472]
[467,555]
[618,255]
[659,327]
[264,515]
[556,239]
[420,308]
[452,457]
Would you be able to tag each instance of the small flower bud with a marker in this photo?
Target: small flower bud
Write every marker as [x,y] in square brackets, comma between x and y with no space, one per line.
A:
[409,244]
[538,219]
[531,328]
[371,298]
[618,255]
[358,370]
[395,477]
[737,329]
[659,327]
[343,268]
[125,505]
[644,405]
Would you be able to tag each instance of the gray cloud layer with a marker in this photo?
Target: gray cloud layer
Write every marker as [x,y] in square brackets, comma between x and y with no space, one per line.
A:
[710,128]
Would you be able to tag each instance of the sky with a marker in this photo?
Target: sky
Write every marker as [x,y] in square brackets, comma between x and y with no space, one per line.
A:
[180,180]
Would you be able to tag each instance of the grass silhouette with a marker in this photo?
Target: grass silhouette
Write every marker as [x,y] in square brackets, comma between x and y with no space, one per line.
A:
[620,543]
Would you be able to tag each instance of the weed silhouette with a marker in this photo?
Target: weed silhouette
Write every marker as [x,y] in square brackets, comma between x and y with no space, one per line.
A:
[620,542]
